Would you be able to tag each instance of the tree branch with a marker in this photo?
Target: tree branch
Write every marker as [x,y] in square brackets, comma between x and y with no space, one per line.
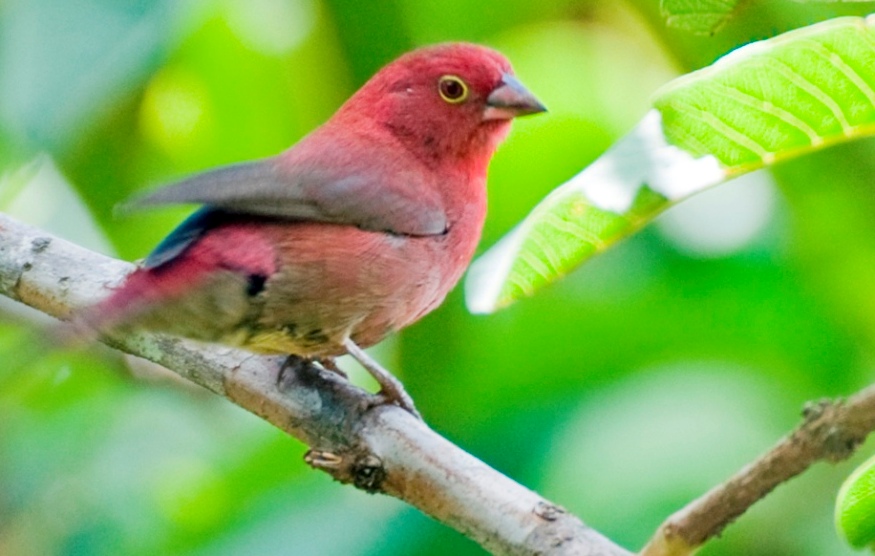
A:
[831,431]
[377,448]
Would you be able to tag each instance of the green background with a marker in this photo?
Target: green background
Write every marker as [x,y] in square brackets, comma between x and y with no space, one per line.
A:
[629,388]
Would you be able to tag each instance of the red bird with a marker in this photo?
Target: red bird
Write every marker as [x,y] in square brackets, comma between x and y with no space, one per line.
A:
[356,231]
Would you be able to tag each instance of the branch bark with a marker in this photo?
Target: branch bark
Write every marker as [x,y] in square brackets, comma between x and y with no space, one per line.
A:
[375,447]
[831,431]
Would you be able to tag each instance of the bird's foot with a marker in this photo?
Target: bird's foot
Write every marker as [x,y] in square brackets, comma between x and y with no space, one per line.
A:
[391,389]
[293,364]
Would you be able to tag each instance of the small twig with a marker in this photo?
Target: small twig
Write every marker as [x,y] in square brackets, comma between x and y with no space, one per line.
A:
[379,448]
[831,431]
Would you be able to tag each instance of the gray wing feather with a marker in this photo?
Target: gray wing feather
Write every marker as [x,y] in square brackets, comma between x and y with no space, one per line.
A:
[315,194]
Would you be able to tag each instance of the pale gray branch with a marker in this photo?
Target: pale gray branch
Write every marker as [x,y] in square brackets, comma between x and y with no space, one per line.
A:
[377,448]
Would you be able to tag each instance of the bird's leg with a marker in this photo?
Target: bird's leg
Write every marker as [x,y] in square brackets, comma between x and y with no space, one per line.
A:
[390,387]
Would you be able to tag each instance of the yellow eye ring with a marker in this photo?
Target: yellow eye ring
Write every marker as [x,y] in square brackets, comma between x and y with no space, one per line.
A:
[452,89]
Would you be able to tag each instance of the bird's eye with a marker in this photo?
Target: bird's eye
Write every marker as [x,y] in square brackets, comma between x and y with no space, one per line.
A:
[452,89]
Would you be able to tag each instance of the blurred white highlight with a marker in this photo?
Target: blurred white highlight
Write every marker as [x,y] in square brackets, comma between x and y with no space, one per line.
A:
[272,27]
[722,221]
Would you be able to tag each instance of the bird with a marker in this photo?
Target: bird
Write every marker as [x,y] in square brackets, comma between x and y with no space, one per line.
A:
[354,232]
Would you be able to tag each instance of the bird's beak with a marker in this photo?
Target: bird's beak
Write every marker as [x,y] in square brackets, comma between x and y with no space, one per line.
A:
[511,99]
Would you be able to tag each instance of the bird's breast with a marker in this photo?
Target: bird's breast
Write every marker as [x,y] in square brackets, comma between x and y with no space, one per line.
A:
[334,282]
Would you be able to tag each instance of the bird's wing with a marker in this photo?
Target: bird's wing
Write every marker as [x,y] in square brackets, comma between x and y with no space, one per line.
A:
[358,193]
[190,230]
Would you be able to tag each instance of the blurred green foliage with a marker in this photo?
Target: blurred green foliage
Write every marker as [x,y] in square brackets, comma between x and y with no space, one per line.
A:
[634,385]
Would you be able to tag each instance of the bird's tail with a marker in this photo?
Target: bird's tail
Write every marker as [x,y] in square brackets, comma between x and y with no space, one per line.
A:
[35,341]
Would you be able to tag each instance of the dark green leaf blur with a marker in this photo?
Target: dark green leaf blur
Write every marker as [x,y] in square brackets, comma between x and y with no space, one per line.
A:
[628,389]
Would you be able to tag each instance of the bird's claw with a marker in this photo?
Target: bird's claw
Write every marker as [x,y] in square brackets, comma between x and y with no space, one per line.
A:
[391,389]
[399,397]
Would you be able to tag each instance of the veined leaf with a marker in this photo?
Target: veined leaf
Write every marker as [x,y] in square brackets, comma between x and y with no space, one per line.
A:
[797,92]
[702,17]
[765,102]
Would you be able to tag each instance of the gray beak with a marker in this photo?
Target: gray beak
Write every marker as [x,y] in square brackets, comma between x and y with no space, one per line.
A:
[511,99]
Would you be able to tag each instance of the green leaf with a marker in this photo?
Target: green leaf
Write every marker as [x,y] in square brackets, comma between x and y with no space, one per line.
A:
[855,506]
[701,17]
[800,91]
[765,102]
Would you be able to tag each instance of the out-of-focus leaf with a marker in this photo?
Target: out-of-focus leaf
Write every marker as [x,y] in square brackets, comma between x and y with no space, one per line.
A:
[372,34]
[659,473]
[450,19]
[39,194]
[855,506]
[831,204]
[702,17]
[768,101]
[305,516]
[62,63]
[222,97]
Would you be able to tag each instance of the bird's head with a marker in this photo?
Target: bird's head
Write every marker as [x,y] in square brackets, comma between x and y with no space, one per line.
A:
[447,100]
